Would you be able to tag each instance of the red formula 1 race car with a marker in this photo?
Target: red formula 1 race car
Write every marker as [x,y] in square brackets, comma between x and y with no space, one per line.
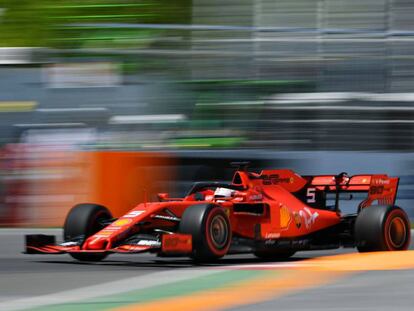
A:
[272,215]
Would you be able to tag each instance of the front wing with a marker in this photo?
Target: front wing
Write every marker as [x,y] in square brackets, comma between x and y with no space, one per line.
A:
[169,244]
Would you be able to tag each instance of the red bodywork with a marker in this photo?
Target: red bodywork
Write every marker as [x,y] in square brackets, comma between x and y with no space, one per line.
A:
[272,205]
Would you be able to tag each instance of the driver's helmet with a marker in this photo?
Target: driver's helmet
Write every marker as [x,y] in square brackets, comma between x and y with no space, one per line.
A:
[223,193]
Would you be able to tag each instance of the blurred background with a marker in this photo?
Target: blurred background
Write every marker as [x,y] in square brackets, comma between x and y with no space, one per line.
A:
[113,100]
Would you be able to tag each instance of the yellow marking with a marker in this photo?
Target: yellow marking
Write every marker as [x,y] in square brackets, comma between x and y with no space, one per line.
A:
[247,292]
[285,217]
[364,261]
[17,106]
[122,222]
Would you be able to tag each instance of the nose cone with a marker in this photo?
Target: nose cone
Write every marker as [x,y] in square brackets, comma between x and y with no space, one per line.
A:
[95,244]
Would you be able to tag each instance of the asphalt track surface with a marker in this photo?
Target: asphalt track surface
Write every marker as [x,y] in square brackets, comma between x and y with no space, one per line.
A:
[146,282]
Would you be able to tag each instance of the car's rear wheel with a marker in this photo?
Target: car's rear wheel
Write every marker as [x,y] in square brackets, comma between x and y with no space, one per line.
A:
[85,220]
[274,255]
[210,228]
[382,228]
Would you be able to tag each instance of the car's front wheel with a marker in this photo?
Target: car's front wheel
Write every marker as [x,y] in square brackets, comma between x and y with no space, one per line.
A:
[210,228]
[85,220]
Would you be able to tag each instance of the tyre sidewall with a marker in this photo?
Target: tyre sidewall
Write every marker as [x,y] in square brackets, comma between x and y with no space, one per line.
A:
[392,214]
[212,213]
[196,220]
[372,225]
[83,219]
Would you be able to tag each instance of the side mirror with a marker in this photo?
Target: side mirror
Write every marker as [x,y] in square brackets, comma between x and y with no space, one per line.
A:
[163,196]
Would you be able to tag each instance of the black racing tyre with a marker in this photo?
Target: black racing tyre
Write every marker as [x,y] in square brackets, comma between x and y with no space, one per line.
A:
[382,228]
[210,228]
[85,219]
[274,254]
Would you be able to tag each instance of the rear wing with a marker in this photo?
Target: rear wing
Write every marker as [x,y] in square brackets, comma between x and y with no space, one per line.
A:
[380,188]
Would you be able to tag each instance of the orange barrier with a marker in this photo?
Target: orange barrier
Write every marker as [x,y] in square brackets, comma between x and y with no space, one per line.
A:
[41,186]
[120,180]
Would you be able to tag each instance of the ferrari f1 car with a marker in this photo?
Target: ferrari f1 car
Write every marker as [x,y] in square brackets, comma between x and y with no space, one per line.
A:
[272,214]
